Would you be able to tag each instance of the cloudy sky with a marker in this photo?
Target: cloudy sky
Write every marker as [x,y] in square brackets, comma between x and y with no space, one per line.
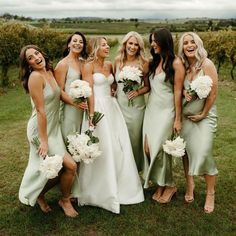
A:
[120,8]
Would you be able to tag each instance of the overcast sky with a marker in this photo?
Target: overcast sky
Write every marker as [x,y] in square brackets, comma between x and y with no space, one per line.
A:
[120,8]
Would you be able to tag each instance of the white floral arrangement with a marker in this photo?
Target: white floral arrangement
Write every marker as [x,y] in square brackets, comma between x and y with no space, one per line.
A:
[200,87]
[49,165]
[82,149]
[85,147]
[175,147]
[130,76]
[79,90]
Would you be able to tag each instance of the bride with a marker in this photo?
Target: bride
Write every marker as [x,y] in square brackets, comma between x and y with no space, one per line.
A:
[112,179]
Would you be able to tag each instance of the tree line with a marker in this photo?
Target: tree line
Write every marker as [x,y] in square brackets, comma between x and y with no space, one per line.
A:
[221,45]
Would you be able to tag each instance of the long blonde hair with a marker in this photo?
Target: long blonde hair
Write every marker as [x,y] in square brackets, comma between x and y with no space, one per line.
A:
[122,56]
[201,53]
[93,47]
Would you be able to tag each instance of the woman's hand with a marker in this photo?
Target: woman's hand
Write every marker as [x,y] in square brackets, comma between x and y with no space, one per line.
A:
[132,94]
[177,126]
[187,96]
[196,118]
[43,149]
[82,105]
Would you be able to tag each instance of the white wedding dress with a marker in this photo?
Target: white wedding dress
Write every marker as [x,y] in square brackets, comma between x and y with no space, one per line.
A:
[112,179]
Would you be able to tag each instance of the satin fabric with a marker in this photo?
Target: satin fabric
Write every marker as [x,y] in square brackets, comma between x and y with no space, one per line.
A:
[133,115]
[70,117]
[112,179]
[199,136]
[33,180]
[158,127]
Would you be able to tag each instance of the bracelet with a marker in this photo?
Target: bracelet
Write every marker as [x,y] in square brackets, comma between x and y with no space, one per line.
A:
[91,116]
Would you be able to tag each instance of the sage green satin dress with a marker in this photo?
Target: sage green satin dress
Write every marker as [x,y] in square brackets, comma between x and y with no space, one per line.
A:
[199,136]
[158,126]
[133,115]
[33,180]
[70,117]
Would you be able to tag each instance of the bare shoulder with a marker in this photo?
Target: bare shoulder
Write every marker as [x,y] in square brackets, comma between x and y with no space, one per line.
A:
[108,65]
[177,62]
[35,79]
[62,64]
[207,63]
[88,65]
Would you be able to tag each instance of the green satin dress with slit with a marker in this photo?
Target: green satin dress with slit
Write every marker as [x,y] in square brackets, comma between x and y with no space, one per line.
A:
[158,127]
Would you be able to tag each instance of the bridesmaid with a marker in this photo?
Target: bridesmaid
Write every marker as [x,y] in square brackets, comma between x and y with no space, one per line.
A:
[131,53]
[38,80]
[163,113]
[66,71]
[199,120]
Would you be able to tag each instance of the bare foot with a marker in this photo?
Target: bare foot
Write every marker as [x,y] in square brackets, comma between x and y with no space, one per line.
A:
[157,195]
[189,195]
[43,204]
[168,193]
[67,207]
[210,203]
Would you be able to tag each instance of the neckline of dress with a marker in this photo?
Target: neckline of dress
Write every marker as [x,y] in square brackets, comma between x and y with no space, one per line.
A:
[103,74]
[71,68]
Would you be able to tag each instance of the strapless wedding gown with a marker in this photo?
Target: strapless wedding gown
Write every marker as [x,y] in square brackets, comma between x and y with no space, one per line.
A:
[112,179]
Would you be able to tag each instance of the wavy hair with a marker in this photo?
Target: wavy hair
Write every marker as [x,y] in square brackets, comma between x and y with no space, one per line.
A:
[66,51]
[25,69]
[164,39]
[201,53]
[93,47]
[122,56]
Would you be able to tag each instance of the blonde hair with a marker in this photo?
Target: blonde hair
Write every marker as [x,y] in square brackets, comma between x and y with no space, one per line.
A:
[122,56]
[201,53]
[93,47]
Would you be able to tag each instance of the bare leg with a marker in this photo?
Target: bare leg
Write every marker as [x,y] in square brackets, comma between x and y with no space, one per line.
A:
[189,195]
[67,179]
[157,195]
[146,148]
[210,194]
[168,193]
[41,198]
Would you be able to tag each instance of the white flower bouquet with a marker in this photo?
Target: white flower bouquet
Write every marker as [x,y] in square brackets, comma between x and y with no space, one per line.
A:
[85,147]
[130,76]
[49,165]
[175,147]
[82,148]
[80,90]
[200,87]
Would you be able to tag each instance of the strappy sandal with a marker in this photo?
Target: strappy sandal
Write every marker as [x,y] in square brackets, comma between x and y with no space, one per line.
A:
[209,208]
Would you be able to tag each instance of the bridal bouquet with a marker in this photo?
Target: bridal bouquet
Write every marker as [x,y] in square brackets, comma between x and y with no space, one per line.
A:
[130,76]
[175,147]
[80,90]
[200,87]
[49,165]
[85,147]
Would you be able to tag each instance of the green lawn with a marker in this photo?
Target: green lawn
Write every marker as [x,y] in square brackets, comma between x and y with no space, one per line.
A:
[147,218]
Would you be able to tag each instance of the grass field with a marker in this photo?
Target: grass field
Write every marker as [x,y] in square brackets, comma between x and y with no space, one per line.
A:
[147,218]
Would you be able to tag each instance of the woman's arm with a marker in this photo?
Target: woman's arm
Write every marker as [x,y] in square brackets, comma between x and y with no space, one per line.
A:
[178,91]
[36,85]
[87,75]
[60,76]
[210,70]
